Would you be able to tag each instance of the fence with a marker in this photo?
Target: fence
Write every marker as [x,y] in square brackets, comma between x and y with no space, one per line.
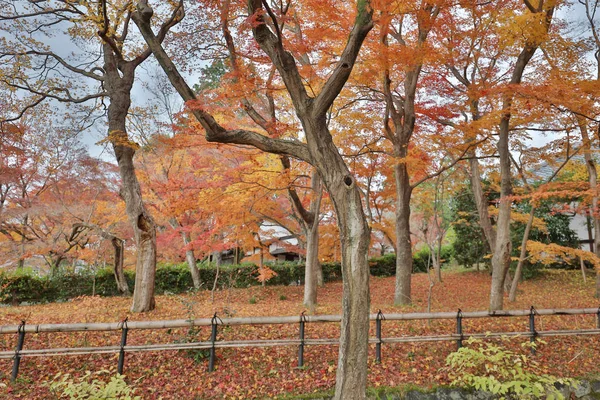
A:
[214,322]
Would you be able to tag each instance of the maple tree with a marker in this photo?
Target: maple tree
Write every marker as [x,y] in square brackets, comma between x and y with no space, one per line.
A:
[475,63]
[48,199]
[319,151]
[36,67]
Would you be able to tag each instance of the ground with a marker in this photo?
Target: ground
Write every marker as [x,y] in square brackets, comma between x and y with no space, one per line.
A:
[272,372]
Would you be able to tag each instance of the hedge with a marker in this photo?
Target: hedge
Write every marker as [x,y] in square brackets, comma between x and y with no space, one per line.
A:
[170,279]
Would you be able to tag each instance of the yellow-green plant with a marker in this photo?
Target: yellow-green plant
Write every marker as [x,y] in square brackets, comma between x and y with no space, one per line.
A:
[491,367]
[91,386]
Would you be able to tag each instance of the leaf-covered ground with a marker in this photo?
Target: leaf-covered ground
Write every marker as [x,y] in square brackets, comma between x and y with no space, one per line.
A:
[271,372]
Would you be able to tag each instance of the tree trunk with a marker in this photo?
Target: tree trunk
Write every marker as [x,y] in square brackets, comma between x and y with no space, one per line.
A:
[118,84]
[437,264]
[481,202]
[404,260]
[321,152]
[351,377]
[501,257]
[518,272]
[118,245]
[312,261]
[191,261]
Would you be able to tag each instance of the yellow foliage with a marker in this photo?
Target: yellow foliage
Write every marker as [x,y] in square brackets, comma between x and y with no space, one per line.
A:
[551,253]
[521,218]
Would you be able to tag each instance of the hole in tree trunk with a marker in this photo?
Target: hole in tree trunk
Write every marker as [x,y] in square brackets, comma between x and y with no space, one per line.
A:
[142,223]
[348,180]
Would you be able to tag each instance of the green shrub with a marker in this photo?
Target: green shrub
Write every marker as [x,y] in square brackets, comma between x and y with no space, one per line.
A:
[421,258]
[383,266]
[490,367]
[28,287]
[91,386]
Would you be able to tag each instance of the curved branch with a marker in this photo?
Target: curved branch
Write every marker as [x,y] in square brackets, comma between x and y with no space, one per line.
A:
[214,131]
[60,60]
[341,73]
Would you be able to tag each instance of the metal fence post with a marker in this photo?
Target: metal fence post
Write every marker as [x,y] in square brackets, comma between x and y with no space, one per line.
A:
[124,330]
[213,338]
[301,346]
[598,318]
[532,328]
[20,342]
[459,329]
[380,317]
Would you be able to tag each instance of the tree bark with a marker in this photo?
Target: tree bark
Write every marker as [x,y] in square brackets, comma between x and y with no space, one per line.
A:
[593,180]
[481,201]
[119,80]
[311,228]
[310,271]
[309,222]
[518,272]
[404,260]
[191,261]
[118,246]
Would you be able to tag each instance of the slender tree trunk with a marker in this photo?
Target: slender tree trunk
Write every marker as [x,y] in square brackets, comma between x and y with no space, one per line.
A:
[481,202]
[191,261]
[501,257]
[118,84]
[311,279]
[437,264]
[118,245]
[404,260]
[518,272]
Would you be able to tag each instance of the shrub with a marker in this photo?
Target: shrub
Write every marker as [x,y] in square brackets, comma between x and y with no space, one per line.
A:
[89,386]
[490,367]
[383,266]
[421,257]
[24,286]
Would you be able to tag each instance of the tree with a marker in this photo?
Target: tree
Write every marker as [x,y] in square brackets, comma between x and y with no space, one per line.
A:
[400,111]
[68,79]
[50,189]
[318,151]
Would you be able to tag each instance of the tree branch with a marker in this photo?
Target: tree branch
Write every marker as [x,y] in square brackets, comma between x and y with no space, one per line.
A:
[214,131]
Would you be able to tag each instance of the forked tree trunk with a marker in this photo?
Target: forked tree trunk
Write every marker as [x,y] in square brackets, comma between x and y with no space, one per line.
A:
[118,84]
[481,201]
[404,260]
[321,152]
[309,221]
[501,257]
